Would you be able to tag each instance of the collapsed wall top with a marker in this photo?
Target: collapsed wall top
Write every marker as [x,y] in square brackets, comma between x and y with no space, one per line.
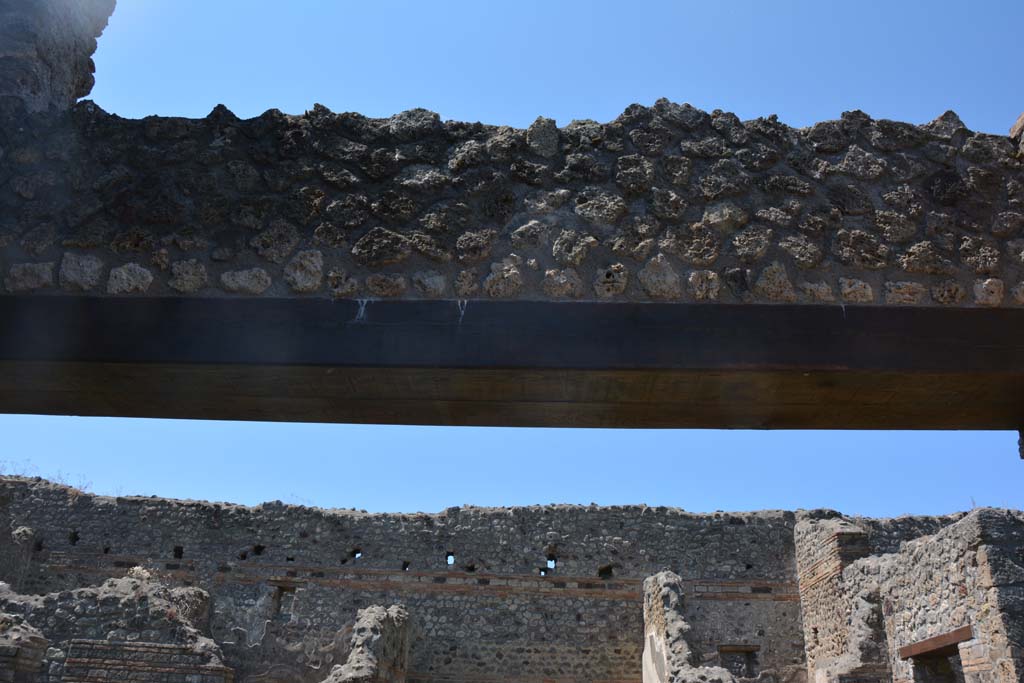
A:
[664,203]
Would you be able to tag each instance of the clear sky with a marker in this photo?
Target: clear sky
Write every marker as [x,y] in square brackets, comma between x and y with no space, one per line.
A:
[506,63]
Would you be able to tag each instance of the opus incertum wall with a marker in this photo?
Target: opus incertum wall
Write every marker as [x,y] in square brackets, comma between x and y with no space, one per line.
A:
[669,268]
[543,594]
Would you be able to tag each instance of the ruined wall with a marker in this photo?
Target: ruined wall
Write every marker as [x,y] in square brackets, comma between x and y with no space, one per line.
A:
[286,582]
[966,573]
[46,49]
[826,545]
[128,628]
[552,593]
[664,203]
[100,661]
[939,583]
[380,647]
[669,654]
[22,650]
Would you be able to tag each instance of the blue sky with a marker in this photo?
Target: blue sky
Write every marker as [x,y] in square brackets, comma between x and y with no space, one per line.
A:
[428,469]
[506,63]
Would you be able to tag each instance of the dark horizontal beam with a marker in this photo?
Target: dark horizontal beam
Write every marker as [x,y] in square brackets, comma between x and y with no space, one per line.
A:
[939,646]
[514,363]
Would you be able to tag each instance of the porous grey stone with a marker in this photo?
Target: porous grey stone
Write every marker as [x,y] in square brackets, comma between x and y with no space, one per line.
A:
[1018,293]
[725,217]
[804,251]
[925,257]
[380,247]
[948,292]
[562,283]
[505,279]
[861,249]
[980,255]
[571,247]
[430,283]
[704,284]
[860,164]
[611,281]
[249,281]
[818,291]
[902,293]
[305,272]
[331,234]
[340,284]
[547,202]
[752,243]
[659,279]
[386,284]
[602,208]
[668,205]
[25,277]
[1015,250]
[855,291]
[988,291]
[130,278]
[774,284]
[634,174]
[187,276]
[636,237]
[542,137]
[1007,224]
[531,234]
[39,239]
[429,247]
[276,242]
[697,245]
[678,169]
[895,227]
[475,246]
[467,282]
[80,272]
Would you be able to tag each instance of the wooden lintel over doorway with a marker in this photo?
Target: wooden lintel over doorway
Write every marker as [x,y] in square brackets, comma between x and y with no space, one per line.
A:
[943,645]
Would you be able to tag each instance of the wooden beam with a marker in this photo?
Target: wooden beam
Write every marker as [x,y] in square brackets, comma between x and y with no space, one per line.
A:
[944,645]
[514,363]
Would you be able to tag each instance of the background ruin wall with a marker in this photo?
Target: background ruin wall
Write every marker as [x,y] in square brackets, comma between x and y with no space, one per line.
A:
[547,593]
[285,581]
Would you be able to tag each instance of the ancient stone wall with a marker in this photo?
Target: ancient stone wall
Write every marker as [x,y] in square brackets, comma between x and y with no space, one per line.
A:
[100,661]
[46,49]
[664,203]
[967,574]
[955,578]
[531,593]
[671,657]
[552,593]
[825,546]
[22,650]
[380,647]
[129,628]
